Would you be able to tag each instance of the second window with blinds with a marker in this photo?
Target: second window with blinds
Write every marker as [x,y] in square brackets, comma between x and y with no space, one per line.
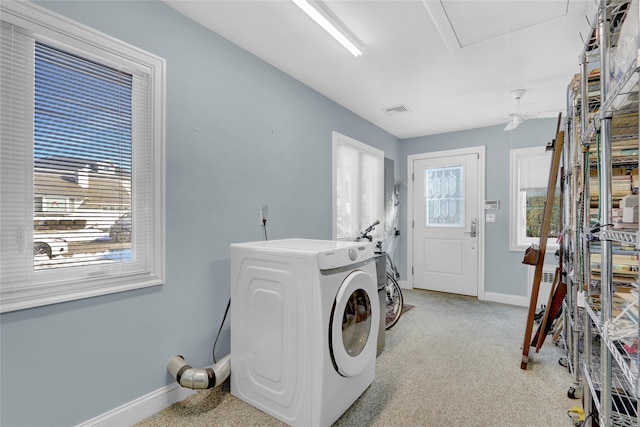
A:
[358,193]
[529,180]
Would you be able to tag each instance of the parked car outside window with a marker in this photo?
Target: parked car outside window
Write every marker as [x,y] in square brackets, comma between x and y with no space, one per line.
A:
[50,246]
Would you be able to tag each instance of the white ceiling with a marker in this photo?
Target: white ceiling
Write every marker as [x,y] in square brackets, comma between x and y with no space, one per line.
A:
[452,63]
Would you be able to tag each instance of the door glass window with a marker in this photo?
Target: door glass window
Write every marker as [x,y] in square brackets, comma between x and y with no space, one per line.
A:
[444,196]
[356,322]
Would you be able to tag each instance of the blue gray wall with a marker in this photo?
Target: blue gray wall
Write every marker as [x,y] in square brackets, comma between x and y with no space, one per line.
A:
[264,138]
[504,273]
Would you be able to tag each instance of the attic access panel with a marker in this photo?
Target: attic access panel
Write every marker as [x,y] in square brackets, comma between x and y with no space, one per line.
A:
[498,17]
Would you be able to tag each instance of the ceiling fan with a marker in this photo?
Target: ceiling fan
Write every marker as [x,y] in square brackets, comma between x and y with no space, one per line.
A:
[517,117]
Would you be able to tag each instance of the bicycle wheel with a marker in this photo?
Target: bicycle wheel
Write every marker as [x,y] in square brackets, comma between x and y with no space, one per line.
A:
[391,268]
[394,302]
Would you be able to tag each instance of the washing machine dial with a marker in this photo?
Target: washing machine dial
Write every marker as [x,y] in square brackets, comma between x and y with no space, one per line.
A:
[353,254]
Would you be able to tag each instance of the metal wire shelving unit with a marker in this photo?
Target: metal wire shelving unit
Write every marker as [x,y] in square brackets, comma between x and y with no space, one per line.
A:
[601,328]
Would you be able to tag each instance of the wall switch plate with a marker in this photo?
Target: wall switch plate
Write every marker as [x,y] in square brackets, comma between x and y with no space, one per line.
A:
[490,217]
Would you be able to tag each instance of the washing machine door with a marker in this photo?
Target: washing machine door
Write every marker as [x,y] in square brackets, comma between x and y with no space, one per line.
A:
[352,324]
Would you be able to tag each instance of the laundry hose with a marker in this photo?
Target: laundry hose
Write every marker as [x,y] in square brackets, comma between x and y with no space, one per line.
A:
[199,379]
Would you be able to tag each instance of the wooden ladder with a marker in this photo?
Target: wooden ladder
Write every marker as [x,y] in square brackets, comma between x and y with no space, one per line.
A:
[537,257]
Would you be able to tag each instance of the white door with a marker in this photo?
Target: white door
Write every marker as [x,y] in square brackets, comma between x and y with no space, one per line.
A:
[445,227]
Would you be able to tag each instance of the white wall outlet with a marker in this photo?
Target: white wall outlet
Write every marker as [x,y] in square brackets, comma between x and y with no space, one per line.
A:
[490,217]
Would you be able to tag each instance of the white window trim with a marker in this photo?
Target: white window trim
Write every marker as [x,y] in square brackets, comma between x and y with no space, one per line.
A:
[48,24]
[338,138]
[517,243]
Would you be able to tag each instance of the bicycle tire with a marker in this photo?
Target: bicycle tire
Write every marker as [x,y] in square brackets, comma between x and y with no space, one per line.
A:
[395,302]
[391,268]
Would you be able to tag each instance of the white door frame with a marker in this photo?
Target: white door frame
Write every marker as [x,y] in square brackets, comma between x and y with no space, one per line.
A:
[480,150]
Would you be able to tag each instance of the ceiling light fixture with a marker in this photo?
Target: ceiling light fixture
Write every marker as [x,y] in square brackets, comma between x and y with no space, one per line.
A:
[516,120]
[516,117]
[329,24]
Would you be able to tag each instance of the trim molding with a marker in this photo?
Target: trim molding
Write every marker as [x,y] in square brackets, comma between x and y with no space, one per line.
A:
[140,408]
[506,299]
[35,290]
[488,296]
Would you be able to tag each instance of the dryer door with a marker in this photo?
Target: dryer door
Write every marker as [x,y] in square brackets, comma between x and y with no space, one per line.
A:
[353,319]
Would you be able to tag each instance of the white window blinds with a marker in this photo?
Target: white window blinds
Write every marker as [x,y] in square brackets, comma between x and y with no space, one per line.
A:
[81,173]
[358,186]
[529,171]
[347,206]
[82,158]
[533,169]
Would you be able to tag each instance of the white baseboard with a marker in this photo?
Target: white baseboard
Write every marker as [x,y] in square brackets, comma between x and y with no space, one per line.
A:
[488,296]
[506,299]
[140,408]
[404,284]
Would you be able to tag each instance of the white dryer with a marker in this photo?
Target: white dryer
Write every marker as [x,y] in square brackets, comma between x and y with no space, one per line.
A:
[304,327]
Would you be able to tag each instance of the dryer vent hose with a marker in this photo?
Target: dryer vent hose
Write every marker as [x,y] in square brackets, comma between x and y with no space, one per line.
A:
[199,379]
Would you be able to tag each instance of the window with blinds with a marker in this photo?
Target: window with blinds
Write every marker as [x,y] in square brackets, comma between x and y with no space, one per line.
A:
[529,180]
[358,174]
[81,161]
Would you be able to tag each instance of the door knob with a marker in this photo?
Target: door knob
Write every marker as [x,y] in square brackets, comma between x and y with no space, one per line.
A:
[473,228]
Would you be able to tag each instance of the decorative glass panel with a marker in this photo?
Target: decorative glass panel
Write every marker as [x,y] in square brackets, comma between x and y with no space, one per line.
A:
[444,196]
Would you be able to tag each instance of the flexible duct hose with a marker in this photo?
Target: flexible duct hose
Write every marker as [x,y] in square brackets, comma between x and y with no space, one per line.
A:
[199,379]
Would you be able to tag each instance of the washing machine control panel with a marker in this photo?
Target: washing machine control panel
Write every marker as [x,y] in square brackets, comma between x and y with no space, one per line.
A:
[342,257]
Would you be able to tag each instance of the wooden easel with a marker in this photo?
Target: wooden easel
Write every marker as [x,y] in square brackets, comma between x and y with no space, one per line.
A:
[538,254]
[554,305]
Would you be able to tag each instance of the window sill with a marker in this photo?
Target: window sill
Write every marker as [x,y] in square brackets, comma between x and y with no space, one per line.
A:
[30,297]
[550,248]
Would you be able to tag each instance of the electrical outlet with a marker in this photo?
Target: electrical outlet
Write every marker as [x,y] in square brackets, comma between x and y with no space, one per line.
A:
[264,211]
[491,217]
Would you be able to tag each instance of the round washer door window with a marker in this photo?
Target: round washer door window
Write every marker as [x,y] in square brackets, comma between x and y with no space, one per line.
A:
[351,326]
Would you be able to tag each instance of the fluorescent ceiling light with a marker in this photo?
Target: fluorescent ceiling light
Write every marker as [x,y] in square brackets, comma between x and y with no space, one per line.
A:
[328,24]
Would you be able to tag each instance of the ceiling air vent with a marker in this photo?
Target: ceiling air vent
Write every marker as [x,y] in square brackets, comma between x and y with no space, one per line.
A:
[397,110]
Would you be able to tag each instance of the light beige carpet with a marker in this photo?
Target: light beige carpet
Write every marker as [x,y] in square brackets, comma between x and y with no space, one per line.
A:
[450,361]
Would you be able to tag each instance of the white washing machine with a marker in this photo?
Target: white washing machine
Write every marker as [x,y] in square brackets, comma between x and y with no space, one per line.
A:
[304,327]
